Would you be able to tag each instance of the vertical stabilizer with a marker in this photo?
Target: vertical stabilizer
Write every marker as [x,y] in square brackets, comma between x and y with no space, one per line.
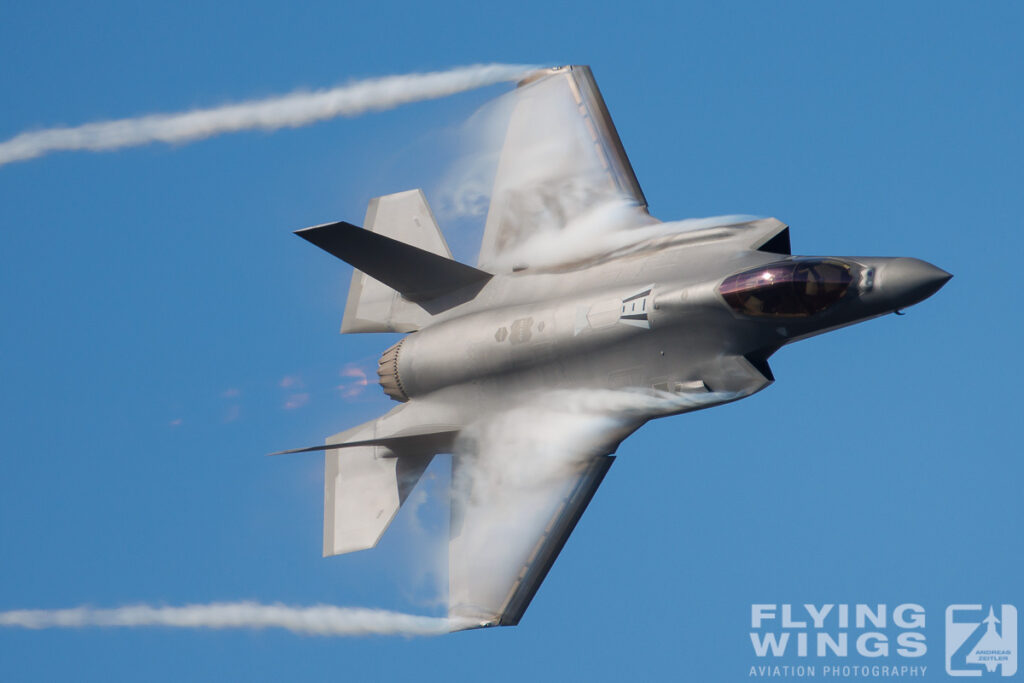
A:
[372,306]
[406,217]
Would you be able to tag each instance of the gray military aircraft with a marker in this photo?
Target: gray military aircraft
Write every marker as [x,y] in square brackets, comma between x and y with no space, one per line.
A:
[583,318]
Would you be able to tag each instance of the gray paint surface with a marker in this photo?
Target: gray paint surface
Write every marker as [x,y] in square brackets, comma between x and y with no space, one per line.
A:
[596,317]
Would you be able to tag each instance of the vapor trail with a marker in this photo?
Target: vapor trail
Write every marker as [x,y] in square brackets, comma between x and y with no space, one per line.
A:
[286,111]
[320,620]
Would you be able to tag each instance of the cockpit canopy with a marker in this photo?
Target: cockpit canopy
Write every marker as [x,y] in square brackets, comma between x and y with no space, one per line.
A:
[791,289]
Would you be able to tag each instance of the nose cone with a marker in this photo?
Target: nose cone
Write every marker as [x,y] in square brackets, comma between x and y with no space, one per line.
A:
[906,281]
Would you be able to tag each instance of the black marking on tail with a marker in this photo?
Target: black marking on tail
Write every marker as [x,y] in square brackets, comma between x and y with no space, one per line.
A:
[434,282]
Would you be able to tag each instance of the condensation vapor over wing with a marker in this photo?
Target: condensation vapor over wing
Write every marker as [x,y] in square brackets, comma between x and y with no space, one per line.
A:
[561,157]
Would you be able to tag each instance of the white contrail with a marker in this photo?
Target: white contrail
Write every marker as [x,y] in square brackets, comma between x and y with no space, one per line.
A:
[320,620]
[286,111]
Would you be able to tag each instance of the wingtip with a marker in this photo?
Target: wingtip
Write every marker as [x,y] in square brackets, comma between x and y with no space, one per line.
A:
[308,449]
[456,624]
[305,232]
[542,71]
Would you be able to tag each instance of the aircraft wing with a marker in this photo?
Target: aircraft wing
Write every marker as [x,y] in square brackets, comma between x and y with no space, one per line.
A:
[515,500]
[561,158]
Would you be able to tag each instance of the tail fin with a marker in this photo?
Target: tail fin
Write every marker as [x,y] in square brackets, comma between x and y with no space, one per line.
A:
[400,257]
[406,217]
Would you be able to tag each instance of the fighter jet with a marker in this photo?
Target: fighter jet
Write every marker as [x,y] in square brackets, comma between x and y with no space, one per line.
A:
[583,318]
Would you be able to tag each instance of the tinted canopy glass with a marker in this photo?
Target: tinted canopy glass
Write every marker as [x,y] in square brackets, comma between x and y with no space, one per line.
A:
[788,289]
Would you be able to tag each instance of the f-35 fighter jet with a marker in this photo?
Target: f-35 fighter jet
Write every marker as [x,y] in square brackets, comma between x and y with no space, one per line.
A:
[583,318]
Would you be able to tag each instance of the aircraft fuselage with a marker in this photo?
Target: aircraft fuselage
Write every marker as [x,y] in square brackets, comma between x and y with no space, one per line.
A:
[675,318]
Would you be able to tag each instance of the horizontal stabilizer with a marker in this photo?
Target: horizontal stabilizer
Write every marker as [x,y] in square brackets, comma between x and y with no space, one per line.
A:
[418,275]
[367,478]
[363,489]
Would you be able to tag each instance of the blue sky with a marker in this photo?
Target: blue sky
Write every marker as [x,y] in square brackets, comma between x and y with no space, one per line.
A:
[154,301]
